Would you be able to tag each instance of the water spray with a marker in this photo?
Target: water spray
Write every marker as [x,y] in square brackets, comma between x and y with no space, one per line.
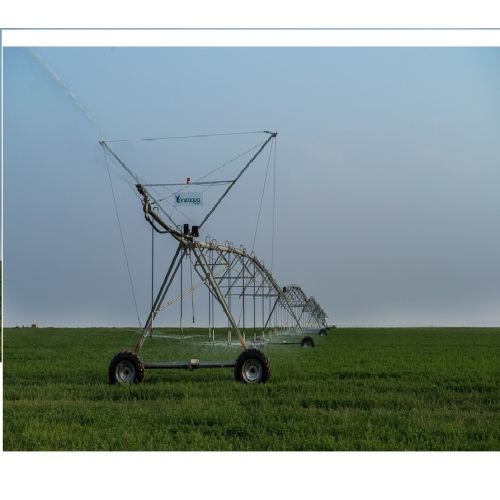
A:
[57,79]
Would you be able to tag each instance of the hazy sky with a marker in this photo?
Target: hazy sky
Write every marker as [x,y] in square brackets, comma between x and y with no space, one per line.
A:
[387,175]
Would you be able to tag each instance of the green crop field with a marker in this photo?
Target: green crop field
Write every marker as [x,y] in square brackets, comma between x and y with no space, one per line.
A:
[358,389]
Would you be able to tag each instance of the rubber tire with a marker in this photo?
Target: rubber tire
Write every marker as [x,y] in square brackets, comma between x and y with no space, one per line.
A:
[126,367]
[252,367]
[307,342]
[323,332]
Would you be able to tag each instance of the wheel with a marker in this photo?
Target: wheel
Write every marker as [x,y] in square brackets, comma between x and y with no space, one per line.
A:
[252,367]
[323,332]
[307,342]
[126,367]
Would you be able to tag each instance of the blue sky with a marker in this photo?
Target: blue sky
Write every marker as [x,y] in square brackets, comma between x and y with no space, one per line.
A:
[387,175]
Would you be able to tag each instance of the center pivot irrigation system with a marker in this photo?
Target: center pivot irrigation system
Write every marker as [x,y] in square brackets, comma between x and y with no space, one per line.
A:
[257,309]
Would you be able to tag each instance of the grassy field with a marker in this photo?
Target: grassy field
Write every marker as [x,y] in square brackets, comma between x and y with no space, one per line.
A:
[359,389]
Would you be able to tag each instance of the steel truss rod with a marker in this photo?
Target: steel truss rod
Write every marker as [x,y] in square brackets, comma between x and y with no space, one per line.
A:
[271,136]
[252,271]
[217,292]
[191,183]
[169,277]
[110,151]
